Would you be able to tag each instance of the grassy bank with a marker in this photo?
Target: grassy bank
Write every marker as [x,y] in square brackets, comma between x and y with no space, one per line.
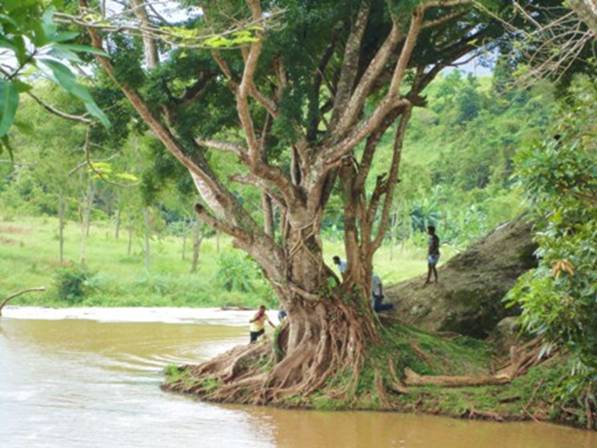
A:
[29,257]
[535,395]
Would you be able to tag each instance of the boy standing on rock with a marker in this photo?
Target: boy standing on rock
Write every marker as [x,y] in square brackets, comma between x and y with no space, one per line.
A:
[432,255]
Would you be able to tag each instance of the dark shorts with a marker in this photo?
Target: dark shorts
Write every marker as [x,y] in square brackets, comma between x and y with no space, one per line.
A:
[255,335]
[432,259]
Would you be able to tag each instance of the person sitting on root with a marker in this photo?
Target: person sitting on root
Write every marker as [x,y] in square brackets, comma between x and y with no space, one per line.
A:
[342,266]
[432,255]
[282,314]
[377,295]
[257,324]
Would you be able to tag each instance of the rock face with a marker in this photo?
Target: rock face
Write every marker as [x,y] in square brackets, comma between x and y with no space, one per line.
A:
[468,297]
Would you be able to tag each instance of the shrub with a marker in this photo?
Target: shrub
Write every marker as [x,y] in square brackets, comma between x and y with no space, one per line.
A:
[558,178]
[237,272]
[72,283]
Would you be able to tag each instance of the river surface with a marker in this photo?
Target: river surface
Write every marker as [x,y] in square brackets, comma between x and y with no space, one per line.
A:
[90,378]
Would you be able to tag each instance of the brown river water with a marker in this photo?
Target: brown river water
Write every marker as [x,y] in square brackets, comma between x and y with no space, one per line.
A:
[90,378]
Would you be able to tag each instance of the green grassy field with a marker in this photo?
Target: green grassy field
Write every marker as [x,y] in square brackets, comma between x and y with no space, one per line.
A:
[29,258]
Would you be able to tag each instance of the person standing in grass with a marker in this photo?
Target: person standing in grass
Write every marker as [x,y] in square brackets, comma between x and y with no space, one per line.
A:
[257,324]
[432,255]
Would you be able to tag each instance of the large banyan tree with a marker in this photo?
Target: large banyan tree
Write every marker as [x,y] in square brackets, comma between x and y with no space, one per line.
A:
[297,94]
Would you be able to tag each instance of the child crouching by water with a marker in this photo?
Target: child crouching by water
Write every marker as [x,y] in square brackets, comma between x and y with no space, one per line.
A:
[257,324]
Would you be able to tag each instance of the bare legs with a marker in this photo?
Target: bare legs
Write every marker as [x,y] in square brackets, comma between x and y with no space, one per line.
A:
[431,269]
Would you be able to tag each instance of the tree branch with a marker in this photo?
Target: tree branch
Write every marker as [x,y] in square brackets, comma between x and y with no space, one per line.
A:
[350,66]
[245,87]
[17,294]
[222,225]
[234,148]
[336,150]
[392,178]
[59,113]
[250,179]
[150,49]
[445,3]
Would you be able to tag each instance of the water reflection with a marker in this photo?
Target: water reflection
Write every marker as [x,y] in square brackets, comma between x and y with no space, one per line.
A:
[81,383]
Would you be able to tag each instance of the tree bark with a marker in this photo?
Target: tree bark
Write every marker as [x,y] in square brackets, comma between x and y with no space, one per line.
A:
[268,215]
[149,46]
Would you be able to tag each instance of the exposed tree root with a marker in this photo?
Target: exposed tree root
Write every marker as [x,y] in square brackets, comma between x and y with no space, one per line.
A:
[521,359]
[321,358]
[319,341]
[396,386]
[381,391]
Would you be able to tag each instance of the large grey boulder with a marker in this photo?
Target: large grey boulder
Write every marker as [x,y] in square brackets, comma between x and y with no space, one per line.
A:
[468,297]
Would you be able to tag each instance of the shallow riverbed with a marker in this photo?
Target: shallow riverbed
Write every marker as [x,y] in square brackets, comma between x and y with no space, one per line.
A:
[90,378]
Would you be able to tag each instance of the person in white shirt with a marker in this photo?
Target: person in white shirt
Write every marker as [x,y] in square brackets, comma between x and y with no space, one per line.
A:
[342,266]
[377,295]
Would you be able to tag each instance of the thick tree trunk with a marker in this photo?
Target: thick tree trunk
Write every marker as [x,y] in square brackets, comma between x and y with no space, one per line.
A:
[329,327]
[320,339]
